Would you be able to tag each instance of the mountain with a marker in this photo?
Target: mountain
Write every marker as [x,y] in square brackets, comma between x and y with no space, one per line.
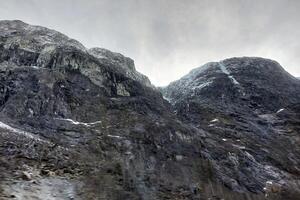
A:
[248,85]
[250,108]
[28,45]
[78,123]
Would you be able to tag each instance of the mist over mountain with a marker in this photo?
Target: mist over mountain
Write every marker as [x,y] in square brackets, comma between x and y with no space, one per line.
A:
[79,123]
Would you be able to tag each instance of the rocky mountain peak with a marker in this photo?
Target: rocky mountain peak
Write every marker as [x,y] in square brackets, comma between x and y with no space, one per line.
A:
[28,45]
[117,58]
[235,80]
[248,104]
[34,38]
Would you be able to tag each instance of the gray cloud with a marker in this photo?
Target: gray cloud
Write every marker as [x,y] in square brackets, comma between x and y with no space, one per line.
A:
[167,38]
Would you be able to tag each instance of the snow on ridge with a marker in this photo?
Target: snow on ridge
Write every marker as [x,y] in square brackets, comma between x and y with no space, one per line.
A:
[80,123]
[225,71]
[23,133]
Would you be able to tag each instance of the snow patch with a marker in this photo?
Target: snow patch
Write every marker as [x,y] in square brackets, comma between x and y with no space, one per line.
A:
[80,123]
[115,136]
[224,139]
[167,99]
[35,67]
[279,111]
[31,111]
[179,157]
[225,71]
[214,120]
[269,182]
[239,146]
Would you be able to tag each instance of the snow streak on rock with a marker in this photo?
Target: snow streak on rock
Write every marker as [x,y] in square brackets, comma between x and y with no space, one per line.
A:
[114,136]
[80,123]
[225,71]
[279,111]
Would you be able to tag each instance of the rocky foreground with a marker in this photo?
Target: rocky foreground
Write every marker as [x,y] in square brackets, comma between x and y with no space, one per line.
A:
[78,123]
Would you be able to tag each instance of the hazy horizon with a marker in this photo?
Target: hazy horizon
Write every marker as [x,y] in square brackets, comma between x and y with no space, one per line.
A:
[168,38]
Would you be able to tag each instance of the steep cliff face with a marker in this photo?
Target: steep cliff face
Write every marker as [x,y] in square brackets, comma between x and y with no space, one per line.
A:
[250,108]
[84,124]
[27,45]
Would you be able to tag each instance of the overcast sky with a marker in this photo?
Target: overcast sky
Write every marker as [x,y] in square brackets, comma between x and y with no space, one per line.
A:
[168,38]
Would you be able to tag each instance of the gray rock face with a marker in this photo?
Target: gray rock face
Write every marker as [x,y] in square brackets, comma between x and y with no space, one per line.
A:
[124,64]
[84,124]
[250,109]
[235,79]
[28,45]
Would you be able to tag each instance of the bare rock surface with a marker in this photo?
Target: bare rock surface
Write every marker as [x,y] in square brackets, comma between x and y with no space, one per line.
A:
[250,109]
[79,123]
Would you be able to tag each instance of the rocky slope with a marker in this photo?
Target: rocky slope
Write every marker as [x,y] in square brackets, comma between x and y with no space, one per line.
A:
[250,109]
[79,123]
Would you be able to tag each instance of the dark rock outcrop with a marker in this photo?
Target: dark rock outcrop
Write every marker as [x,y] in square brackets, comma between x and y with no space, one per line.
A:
[84,124]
